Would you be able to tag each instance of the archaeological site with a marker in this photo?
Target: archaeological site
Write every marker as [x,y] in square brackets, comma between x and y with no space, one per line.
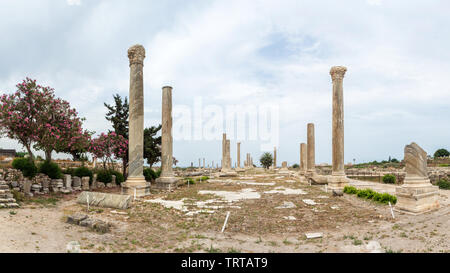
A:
[310,136]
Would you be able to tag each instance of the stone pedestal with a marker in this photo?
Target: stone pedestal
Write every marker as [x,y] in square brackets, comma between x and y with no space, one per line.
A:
[167,180]
[136,183]
[417,195]
[85,183]
[284,169]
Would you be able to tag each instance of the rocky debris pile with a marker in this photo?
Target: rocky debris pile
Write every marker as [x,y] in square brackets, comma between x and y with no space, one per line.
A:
[6,198]
[85,221]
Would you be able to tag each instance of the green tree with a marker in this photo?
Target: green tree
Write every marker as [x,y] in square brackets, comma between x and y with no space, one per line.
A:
[152,144]
[118,115]
[266,160]
[441,153]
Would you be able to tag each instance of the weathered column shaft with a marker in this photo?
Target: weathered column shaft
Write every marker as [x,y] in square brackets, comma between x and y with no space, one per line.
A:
[275,157]
[239,155]
[228,156]
[337,74]
[303,158]
[136,55]
[166,133]
[311,165]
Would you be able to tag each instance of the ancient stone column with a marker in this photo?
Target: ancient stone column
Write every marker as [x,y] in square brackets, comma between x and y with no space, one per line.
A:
[167,180]
[274,157]
[238,155]
[311,158]
[417,194]
[303,160]
[136,182]
[338,180]
[224,152]
[228,154]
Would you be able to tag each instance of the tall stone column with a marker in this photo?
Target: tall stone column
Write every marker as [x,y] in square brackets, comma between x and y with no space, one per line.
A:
[338,180]
[228,158]
[238,155]
[311,157]
[167,180]
[303,156]
[224,152]
[274,157]
[136,183]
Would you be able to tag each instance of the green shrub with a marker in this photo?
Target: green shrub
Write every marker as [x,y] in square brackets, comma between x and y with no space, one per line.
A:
[150,174]
[26,166]
[104,176]
[295,166]
[190,181]
[203,178]
[70,171]
[350,190]
[444,184]
[51,169]
[119,176]
[384,198]
[82,172]
[389,179]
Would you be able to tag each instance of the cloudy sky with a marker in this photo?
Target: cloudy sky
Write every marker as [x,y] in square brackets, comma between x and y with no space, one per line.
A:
[396,89]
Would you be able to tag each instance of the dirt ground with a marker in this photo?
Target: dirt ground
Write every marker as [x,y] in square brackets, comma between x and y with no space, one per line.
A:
[191,218]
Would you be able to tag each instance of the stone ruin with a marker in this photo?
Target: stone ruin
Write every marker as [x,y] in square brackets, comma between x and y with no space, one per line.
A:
[6,198]
[416,195]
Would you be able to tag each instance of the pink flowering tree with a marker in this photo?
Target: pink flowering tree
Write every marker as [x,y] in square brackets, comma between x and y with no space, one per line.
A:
[59,128]
[34,116]
[20,112]
[109,146]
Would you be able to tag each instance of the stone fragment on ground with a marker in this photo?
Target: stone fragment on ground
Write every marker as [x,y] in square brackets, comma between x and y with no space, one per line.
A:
[85,221]
[107,200]
[291,218]
[313,235]
[73,247]
[309,202]
[286,205]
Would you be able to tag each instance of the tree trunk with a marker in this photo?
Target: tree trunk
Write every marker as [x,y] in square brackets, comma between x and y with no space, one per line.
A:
[30,153]
[124,168]
[48,155]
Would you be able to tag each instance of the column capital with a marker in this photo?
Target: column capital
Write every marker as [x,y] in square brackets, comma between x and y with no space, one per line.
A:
[337,72]
[136,54]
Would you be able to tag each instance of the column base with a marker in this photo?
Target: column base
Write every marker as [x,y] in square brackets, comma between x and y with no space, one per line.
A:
[227,173]
[315,178]
[136,184]
[166,183]
[417,200]
[337,183]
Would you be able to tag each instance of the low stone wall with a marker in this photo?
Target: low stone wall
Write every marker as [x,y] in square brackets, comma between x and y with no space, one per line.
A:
[434,173]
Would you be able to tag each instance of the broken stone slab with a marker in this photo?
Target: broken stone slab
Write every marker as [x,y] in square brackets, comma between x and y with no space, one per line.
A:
[286,205]
[106,200]
[73,247]
[374,247]
[309,202]
[314,235]
[76,218]
[84,221]
[291,218]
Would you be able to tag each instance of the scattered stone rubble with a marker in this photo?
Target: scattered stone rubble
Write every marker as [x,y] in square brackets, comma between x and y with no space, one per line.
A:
[6,198]
[86,221]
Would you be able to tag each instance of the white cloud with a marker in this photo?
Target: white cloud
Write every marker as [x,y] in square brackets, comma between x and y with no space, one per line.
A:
[237,52]
[74,2]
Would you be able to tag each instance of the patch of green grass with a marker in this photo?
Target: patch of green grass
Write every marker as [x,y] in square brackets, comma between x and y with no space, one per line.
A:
[357,242]
[12,212]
